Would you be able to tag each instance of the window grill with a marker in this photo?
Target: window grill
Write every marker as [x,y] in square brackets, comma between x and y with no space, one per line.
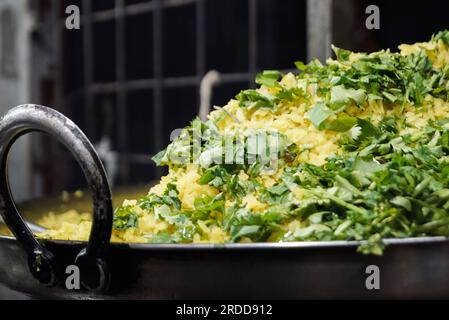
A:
[107,105]
[8,52]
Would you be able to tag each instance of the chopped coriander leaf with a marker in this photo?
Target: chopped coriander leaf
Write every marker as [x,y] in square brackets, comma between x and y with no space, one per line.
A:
[125,218]
[269,78]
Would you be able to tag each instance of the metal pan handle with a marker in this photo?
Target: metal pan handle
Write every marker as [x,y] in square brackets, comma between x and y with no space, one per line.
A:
[42,263]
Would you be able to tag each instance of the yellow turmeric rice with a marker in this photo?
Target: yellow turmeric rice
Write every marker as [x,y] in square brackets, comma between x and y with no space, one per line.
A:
[361,152]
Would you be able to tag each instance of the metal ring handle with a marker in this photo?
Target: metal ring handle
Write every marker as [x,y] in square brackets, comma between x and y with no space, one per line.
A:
[27,118]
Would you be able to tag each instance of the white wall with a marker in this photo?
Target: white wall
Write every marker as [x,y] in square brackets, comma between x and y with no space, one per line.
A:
[15,91]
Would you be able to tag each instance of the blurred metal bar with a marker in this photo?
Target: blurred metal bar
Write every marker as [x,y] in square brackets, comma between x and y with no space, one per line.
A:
[345,12]
[120,67]
[200,38]
[235,77]
[181,81]
[136,158]
[319,29]
[158,115]
[200,44]
[173,82]
[142,84]
[210,79]
[57,65]
[177,3]
[105,15]
[138,8]
[252,39]
[88,66]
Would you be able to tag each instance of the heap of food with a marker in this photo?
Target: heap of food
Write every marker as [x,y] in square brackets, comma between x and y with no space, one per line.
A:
[357,149]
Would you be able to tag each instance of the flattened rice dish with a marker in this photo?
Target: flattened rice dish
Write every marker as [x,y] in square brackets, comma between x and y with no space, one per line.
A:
[355,149]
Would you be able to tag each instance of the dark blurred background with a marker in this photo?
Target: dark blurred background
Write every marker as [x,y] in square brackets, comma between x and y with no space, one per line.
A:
[132,73]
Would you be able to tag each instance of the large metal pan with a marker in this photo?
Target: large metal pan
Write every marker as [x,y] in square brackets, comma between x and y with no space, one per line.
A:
[410,268]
